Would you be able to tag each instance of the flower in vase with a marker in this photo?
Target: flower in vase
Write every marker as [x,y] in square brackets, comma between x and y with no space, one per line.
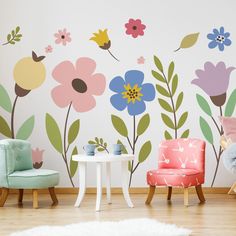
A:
[37,157]
[214,81]
[131,93]
[78,84]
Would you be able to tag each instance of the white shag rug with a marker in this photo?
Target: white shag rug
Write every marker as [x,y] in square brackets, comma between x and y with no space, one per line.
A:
[134,227]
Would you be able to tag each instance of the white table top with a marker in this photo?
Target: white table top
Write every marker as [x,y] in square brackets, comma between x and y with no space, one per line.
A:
[102,157]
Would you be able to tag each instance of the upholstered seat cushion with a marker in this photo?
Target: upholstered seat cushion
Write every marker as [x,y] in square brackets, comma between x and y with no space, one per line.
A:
[175,177]
[33,179]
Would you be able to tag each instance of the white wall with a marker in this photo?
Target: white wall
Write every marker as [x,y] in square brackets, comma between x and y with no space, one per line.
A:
[167,23]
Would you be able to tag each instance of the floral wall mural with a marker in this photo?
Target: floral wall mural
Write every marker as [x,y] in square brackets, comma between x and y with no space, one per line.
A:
[102,75]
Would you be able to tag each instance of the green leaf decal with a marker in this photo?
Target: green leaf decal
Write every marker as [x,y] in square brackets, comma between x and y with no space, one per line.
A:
[204,104]
[17,29]
[26,129]
[162,90]
[158,76]
[73,131]
[179,101]
[166,119]
[53,133]
[143,124]
[100,149]
[5,101]
[206,130]
[188,41]
[129,166]
[185,134]
[123,150]
[13,36]
[170,71]
[174,84]
[230,105]
[119,125]
[144,151]
[4,128]
[165,105]
[91,142]
[182,119]
[73,164]
[167,135]
[158,63]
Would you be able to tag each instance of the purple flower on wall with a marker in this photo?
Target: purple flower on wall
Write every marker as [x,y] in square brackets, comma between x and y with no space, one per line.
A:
[219,38]
[131,93]
[214,81]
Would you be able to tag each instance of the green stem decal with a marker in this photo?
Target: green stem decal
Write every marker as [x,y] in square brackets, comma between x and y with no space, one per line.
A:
[12,118]
[100,144]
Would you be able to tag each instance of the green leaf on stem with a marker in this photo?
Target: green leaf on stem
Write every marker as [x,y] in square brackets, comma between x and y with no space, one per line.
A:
[158,76]
[4,128]
[53,133]
[26,129]
[174,84]
[100,149]
[230,105]
[144,151]
[167,120]
[119,125]
[158,63]
[179,101]
[162,90]
[170,71]
[165,105]
[206,130]
[73,164]
[129,166]
[5,101]
[202,102]
[73,131]
[167,135]
[91,142]
[143,124]
[182,119]
[123,148]
[185,134]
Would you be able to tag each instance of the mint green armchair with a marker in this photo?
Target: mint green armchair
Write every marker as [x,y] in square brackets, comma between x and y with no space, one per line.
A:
[17,172]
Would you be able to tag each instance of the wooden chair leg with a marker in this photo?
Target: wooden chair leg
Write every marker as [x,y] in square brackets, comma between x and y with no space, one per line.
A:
[5,192]
[53,195]
[169,193]
[150,194]
[20,196]
[186,196]
[35,198]
[200,193]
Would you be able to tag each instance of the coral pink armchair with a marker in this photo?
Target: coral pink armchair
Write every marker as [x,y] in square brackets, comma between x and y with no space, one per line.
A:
[181,164]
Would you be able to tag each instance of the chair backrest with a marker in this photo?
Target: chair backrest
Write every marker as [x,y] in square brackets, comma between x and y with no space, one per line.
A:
[182,153]
[15,155]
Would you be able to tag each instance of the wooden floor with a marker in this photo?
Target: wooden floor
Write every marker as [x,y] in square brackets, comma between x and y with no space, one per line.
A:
[216,217]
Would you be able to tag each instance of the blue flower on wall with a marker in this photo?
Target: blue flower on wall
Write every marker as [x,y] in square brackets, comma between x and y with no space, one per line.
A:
[131,92]
[219,38]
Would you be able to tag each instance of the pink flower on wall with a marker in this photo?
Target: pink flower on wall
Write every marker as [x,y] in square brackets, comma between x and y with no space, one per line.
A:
[62,37]
[135,28]
[48,49]
[141,60]
[78,84]
[37,157]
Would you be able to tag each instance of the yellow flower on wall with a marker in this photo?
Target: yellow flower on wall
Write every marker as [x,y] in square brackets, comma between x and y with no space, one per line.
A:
[103,41]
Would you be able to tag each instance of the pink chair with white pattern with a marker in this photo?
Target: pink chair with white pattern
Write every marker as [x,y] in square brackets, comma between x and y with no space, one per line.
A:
[181,164]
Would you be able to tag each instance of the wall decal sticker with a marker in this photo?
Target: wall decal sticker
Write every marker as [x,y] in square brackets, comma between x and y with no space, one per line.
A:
[188,41]
[37,157]
[103,41]
[62,37]
[131,94]
[78,86]
[100,144]
[29,73]
[168,92]
[214,81]
[135,28]
[13,37]
[49,49]
[219,38]
[141,60]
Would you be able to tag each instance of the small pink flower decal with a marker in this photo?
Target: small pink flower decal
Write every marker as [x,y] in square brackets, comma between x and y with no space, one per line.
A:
[135,28]
[141,60]
[37,157]
[62,37]
[48,49]
[78,84]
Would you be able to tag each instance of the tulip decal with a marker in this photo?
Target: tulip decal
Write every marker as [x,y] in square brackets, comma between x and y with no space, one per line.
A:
[103,41]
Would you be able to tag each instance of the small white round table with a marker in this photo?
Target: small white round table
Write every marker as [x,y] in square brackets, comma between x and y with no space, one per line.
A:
[99,159]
